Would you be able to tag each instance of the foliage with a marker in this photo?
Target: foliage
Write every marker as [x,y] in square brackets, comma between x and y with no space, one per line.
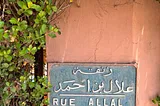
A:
[156,100]
[23,27]
[25,92]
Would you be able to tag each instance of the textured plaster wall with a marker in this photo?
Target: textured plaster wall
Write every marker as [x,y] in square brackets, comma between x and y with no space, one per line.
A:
[95,32]
[146,32]
[113,31]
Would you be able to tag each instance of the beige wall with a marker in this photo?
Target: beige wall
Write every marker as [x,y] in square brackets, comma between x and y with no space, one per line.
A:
[113,31]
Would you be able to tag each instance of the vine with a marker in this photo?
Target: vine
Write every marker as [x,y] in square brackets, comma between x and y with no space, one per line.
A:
[23,27]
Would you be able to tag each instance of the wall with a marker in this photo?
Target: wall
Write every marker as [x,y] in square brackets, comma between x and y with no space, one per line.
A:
[146,32]
[95,32]
[113,31]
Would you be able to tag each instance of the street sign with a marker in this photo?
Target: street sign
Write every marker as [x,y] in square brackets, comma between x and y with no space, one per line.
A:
[92,85]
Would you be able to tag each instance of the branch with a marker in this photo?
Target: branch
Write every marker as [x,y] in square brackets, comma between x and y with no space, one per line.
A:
[15,7]
[58,14]
[61,8]
[11,9]
[4,7]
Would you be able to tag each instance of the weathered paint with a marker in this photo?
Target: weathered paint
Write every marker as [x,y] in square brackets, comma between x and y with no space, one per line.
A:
[100,31]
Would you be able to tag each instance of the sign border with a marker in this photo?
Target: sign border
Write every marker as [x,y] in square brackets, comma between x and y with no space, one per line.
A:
[51,64]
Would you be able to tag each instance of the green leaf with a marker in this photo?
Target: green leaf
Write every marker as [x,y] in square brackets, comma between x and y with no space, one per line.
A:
[18,45]
[23,25]
[1,36]
[20,11]
[9,58]
[29,12]
[7,83]
[49,10]
[8,51]
[33,51]
[8,11]
[154,101]
[1,53]
[1,32]
[36,7]
[29,3]
[41,14]
[30,48]
[11,68]
[22,4]
[43,29]
[56,30]
[54,8]
[31,84]
[1,59]
[24,86]
[44,19]
[38,86]
[4,52]
[5,65]
[1,24]
[51,27]
[34,0]
[23,52]
[6,36]
[13,21]
[52,35]
[36,21]
[22,78]
[13,89]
